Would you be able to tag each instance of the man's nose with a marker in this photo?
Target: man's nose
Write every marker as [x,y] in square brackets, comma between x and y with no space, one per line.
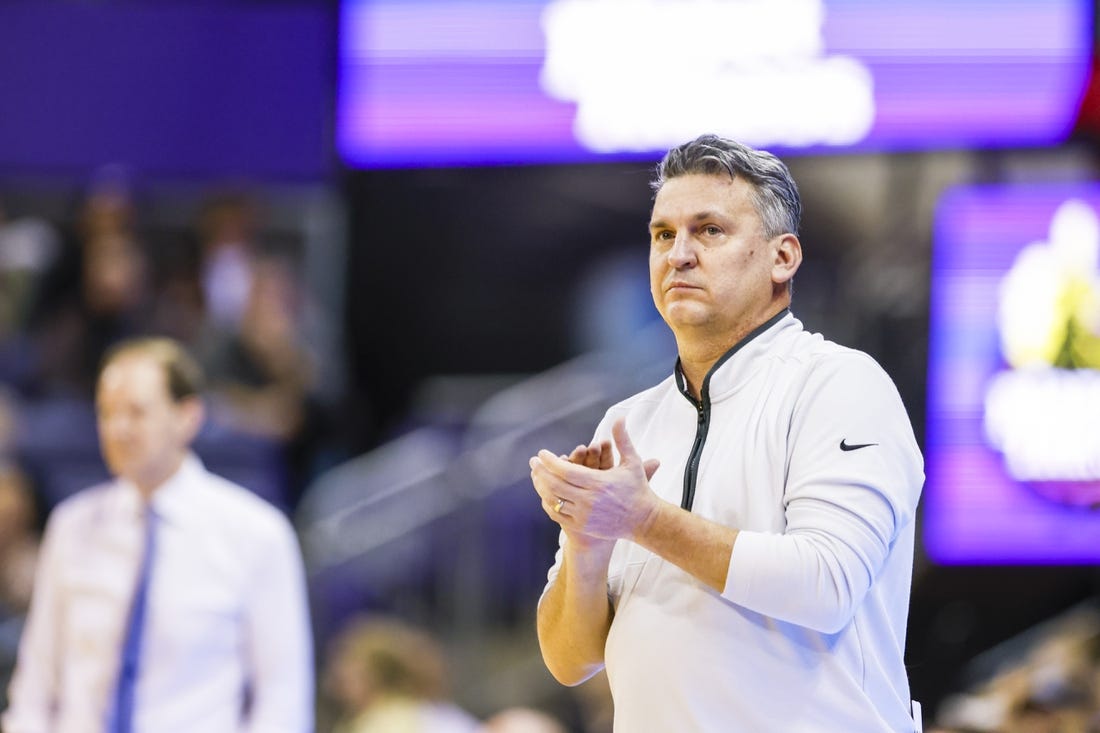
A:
[115,428]
[682,253]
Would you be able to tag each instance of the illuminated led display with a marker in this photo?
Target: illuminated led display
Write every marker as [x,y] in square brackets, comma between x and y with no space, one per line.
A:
[467,82]
[1013,422]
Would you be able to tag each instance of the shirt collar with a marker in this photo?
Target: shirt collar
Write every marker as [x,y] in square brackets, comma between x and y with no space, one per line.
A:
[170,501]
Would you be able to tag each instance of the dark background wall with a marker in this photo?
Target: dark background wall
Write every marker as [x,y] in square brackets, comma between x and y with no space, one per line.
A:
[175,89]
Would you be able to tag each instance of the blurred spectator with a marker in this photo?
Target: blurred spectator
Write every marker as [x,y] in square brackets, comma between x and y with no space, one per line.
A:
[227,230]
[178,308]
[254,346]
[388,677]
[97,293]
[1052,687]
[262,373]
[28,249]
[521,720]
[262,376]
[18,557]
[8,409]
[18,540]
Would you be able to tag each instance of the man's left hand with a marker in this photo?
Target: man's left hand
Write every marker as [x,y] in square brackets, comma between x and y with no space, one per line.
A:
[608,502]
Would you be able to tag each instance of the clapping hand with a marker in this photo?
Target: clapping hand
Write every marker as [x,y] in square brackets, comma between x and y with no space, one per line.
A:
[591,497]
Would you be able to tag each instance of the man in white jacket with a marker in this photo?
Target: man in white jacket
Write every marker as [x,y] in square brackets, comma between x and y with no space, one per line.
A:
[741,558]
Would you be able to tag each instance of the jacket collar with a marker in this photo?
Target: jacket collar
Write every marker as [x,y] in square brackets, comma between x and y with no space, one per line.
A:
[733,367]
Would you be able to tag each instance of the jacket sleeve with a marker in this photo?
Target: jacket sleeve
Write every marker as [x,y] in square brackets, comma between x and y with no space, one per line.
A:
[854,475]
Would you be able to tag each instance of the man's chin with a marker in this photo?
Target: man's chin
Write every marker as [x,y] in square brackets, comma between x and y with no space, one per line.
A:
[686,315]
[121,468]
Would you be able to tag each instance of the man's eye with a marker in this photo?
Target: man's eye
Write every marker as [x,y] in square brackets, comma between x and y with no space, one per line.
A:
[711,230]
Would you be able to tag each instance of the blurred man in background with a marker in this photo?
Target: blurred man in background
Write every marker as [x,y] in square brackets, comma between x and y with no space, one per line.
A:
[753,545]
[168,599]
[387,676]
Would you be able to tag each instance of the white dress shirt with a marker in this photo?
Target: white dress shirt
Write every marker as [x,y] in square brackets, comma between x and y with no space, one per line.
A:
[227,643]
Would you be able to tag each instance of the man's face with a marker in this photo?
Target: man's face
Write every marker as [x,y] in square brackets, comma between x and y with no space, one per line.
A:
[710,265]
[143,432]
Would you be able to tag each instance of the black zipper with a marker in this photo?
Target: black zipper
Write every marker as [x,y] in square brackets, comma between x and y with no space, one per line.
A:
[702,408]
[692,470]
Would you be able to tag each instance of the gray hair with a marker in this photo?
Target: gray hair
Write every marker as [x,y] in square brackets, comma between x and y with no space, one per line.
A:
[775,195]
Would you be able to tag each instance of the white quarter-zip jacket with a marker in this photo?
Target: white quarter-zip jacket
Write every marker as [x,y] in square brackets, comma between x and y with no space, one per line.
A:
[806,448]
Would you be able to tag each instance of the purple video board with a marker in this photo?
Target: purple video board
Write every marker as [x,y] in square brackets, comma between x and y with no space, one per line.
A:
[1013,421]
[472,82]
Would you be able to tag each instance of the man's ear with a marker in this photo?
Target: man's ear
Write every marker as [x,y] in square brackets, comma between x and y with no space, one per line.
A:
[788,256]
[192,413]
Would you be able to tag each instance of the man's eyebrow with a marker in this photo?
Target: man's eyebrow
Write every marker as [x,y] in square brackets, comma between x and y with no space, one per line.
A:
[701,216]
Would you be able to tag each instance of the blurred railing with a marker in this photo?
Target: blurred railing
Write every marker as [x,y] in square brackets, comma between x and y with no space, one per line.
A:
[441,525]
